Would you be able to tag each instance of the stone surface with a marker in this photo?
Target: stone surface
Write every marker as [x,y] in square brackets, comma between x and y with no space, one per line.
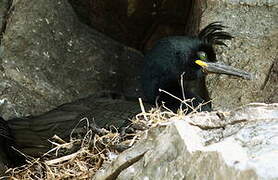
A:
[4,5]
[253,49]
[254,2]
[271,85]
[246,147]
[50,58]
[139,23]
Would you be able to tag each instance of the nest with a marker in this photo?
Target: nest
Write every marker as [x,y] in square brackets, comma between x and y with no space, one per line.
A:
[82,157]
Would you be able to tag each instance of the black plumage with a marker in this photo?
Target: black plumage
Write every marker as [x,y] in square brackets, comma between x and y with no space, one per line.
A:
[173,56]
[31,134]
[164,64]
[214,34]
[5,138]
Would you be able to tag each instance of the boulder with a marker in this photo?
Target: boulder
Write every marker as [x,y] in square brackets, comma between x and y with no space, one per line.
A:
[253,23]
[49,58]
[140,23]
[4,7]
[239,144]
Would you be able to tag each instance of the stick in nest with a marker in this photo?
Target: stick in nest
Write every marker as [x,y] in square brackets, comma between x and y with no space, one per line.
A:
[184,100]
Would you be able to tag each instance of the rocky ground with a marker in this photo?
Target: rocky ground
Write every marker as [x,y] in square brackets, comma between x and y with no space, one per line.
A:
[49,57]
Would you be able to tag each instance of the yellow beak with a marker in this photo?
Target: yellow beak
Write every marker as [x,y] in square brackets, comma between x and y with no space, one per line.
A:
[201,63]
[215,67]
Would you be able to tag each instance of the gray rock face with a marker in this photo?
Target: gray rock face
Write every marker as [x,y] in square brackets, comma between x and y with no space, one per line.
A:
[253,49]
[50,58]
[4,5]
[255,2]
[241,144]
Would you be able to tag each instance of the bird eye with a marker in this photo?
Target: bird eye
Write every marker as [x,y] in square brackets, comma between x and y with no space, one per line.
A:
[202,55]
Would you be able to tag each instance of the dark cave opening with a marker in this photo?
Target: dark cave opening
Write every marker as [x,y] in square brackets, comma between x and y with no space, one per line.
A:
[139,24]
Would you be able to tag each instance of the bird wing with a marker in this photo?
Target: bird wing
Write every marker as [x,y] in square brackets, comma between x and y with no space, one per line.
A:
[31,133]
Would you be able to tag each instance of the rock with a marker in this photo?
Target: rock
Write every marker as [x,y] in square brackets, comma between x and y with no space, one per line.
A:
[50,58]
[140,23]
[241,144]
[4,7]
[253,23]
[271,84]
[255,2]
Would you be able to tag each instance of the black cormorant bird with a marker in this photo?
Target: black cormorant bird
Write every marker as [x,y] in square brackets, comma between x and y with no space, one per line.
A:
[191,57]
[171,57]
[102,110]
[30,134]
[5,138]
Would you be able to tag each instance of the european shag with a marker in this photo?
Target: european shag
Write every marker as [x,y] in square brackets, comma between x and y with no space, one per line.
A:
[102,110]
[165,63]
[30,134]
[191,57]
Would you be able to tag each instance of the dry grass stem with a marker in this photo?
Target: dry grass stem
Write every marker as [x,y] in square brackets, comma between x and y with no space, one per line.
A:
[80,158]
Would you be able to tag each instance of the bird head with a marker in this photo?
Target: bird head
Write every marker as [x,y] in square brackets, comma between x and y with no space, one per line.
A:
[211,35]
[192,56]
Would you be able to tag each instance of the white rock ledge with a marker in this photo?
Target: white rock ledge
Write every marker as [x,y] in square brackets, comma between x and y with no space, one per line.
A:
[241,144]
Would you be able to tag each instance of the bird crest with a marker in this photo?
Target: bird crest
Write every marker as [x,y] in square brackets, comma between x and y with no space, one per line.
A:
[214,34]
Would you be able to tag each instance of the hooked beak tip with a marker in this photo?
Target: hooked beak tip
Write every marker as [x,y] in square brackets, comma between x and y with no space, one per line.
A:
[219,68]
